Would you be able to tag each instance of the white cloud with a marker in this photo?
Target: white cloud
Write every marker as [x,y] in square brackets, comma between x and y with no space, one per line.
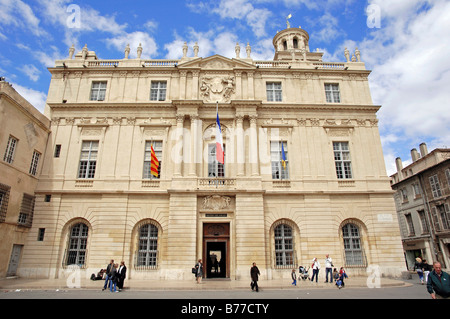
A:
[410,59]
[31,71]
[18,14]
[134,39]
[35,98]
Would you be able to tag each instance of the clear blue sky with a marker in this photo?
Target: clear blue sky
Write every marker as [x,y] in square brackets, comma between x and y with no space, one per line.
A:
[404,42]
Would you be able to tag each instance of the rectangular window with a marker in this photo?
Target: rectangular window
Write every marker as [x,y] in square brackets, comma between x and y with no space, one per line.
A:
[332,93]
[342,160]
[26,210]
[10,149]
[98,91]
[57,150]
[215,168]
[41,234]
[158,91]
[88,159]
[447,174]
[410,224]
[435,187]
[444,216]
[4,198]
[423,222]
[157,147]
[34,163]
[279,171]
[274,92]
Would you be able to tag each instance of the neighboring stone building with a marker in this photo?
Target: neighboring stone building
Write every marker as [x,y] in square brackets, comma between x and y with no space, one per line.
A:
[24,133]
[304,174]
[422,201]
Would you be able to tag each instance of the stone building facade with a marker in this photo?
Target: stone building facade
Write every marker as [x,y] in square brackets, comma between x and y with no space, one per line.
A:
[422,201]
[303,176]
[24,132]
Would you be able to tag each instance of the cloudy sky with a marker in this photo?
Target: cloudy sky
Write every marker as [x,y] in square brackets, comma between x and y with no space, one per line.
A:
[404,42]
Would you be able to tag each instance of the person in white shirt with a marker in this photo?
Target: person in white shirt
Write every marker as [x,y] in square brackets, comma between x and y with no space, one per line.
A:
[328,268]
[315,267]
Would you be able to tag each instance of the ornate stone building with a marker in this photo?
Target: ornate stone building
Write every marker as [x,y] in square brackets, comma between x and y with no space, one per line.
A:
[303,177]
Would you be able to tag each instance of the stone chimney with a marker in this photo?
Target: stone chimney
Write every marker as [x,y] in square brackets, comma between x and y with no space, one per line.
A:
[414,155]
[423,149]
[399,164]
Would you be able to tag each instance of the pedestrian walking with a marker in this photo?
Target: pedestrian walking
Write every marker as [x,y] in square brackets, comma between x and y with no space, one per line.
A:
[114,279]
[254,274]
[418,267]
[426,270]
[438,285]
[108,274]
[199,273]
[122,274]
[328,268]
[294,277]
[315,267]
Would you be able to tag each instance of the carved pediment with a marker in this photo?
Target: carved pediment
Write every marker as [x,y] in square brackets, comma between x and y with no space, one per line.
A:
[216,62]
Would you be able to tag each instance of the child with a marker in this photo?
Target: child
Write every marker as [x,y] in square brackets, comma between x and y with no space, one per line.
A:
[294,277]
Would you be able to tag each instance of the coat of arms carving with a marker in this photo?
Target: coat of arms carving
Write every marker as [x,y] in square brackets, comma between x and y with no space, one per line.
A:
[216,202]
[217,89]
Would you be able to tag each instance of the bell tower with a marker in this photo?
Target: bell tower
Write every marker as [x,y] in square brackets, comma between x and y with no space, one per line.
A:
[291,44]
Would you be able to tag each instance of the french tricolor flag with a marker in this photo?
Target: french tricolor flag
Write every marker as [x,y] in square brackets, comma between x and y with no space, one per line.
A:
[219,143]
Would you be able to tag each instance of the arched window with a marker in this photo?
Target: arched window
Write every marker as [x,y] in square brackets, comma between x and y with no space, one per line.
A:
[284,246]
[76,252]
[354,255]
[147,246]
[285,47]
[295,42]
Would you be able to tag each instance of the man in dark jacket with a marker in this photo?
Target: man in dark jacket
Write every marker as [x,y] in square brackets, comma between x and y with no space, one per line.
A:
[438,284]
[254,273]
[108,275]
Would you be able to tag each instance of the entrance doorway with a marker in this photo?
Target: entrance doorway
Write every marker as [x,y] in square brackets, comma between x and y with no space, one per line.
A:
[216,250]
[216,259]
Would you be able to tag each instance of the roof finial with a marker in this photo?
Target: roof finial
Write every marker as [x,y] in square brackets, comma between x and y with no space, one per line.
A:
[287,20]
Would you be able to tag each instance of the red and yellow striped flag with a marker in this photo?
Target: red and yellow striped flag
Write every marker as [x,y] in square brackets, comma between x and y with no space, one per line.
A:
[154,164]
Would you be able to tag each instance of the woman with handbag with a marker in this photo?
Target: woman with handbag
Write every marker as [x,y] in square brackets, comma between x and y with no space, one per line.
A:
[199,273]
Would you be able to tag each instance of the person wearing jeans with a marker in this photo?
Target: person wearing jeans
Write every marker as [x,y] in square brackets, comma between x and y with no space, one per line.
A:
[315,267]
[328,268]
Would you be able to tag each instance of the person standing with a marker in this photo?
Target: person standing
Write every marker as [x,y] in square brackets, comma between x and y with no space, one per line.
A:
[328,268]
[114,278]
[294,277]
[419,268]
[108,274]
[254,273]
[315,267]
[199,273]
[438,285]
[122,275]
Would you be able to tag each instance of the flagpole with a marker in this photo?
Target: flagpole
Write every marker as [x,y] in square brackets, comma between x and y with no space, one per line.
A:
[217,173]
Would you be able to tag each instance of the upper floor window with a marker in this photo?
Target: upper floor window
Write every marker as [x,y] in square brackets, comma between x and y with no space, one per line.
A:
[279,160]
[98,91]
[158,91]
[215,168]
[10,149]
[342,160]
[157,147]
[332,93]
[435,187]
[274,91]
[88,159]
[34,163]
